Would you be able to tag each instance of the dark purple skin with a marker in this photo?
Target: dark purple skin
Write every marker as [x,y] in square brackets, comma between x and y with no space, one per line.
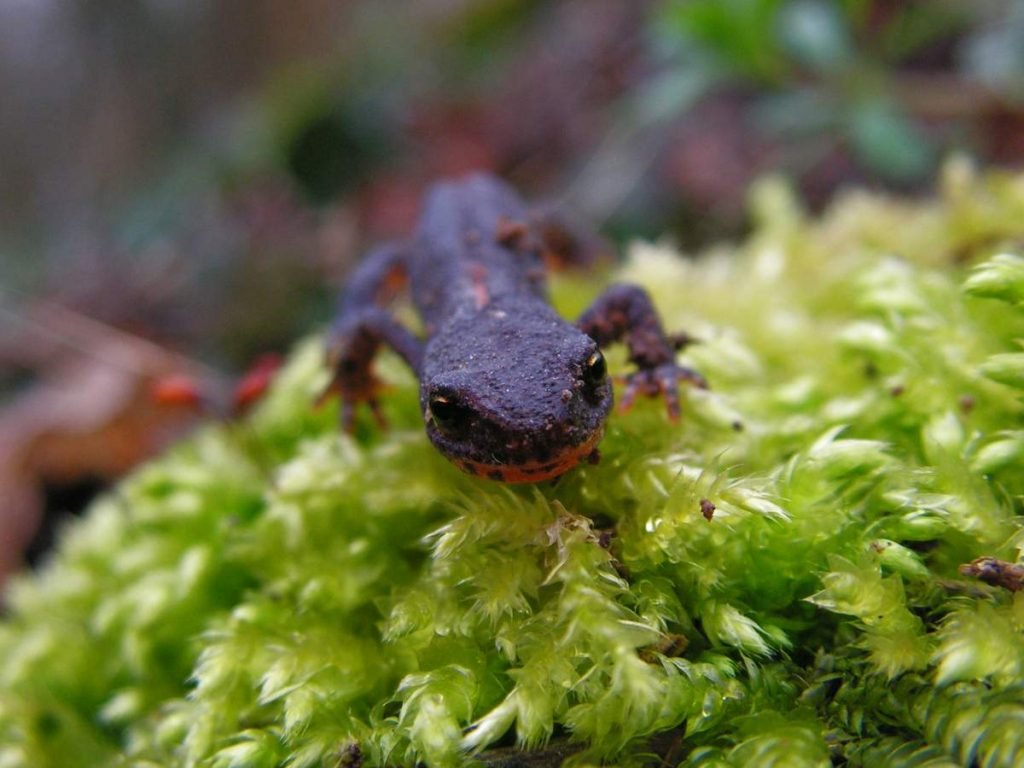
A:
[509,390]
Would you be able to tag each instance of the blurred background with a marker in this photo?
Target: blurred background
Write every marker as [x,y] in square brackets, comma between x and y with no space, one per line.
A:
[184,183]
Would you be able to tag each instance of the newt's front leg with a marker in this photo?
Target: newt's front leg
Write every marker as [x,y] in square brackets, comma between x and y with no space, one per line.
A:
[360,328]
[625,313]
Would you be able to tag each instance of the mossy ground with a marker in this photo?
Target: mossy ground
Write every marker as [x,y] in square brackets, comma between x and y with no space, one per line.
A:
[272,592]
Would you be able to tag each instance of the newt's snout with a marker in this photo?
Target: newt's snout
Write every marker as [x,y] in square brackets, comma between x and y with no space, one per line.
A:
[535,470]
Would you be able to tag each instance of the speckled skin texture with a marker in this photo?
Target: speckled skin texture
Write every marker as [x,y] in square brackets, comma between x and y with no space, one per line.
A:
[509,390]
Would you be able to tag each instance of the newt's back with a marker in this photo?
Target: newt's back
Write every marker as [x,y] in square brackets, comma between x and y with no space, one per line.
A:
[461,262]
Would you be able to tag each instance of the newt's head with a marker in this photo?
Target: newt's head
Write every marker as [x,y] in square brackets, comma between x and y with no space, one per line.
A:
[515,399]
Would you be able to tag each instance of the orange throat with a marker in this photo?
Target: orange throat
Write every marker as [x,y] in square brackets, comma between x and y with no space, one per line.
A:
[534,471]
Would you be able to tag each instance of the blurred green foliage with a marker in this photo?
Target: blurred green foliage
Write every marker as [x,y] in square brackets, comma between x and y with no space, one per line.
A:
[833,68]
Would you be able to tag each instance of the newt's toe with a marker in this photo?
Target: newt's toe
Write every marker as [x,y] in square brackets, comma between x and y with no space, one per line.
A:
[660,381]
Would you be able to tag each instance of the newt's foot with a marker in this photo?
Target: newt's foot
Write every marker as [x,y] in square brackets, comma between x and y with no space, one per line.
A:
[660,380]
[354,385]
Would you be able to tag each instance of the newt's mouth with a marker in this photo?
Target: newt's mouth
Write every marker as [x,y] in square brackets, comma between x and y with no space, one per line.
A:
[534,471]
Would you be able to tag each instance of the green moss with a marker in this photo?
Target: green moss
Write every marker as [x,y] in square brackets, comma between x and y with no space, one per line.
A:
[273,592]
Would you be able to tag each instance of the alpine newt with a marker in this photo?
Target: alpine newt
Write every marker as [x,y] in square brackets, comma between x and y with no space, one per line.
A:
[508,389]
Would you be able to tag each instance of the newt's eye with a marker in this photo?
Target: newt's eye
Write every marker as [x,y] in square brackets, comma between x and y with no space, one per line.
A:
[448,413]
[595,369]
